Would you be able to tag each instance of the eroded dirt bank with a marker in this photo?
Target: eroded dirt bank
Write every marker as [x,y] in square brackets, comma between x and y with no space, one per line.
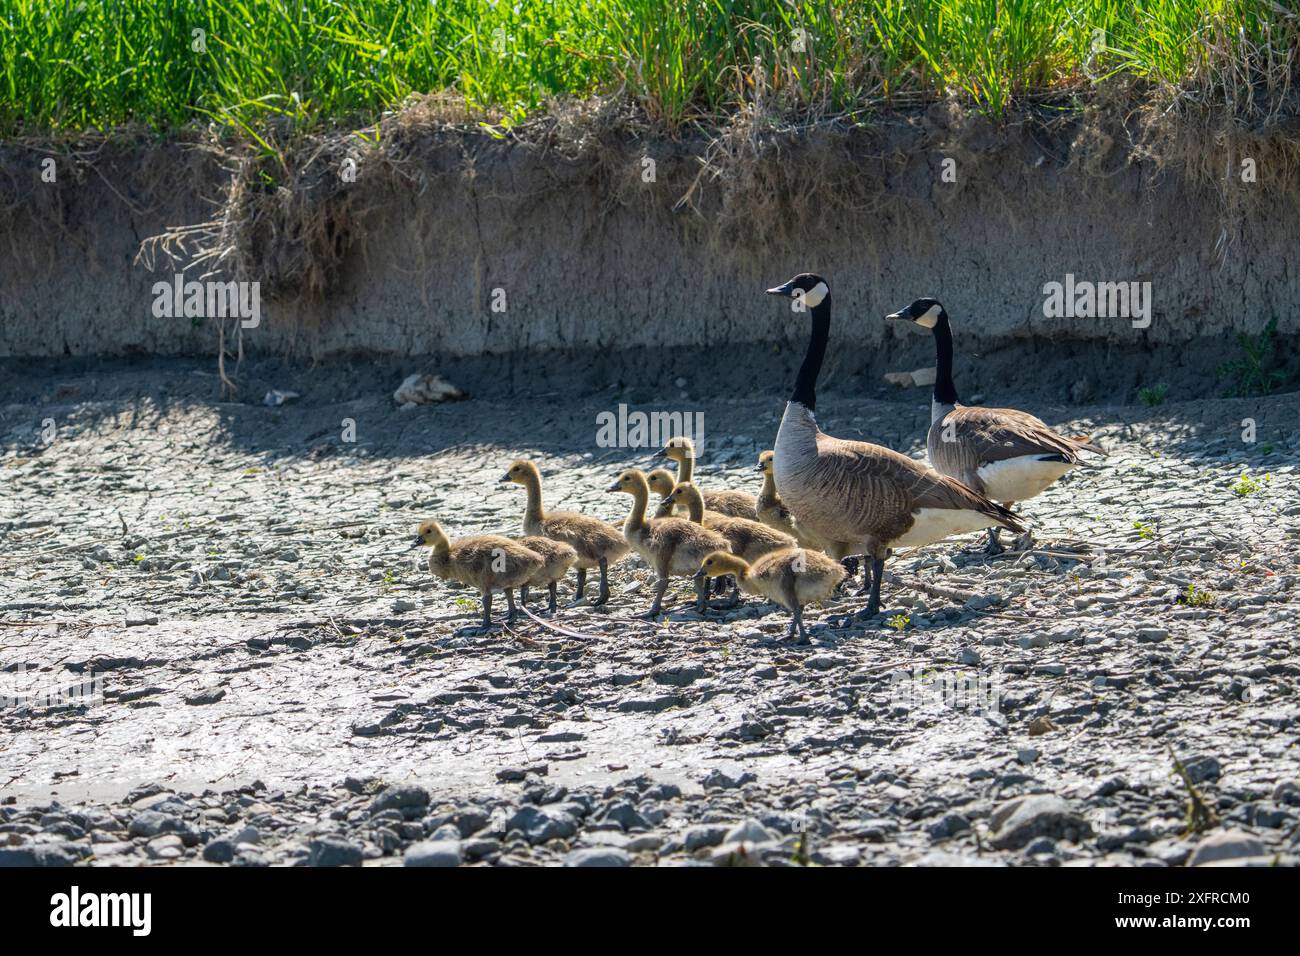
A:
[283,683]
[453,243]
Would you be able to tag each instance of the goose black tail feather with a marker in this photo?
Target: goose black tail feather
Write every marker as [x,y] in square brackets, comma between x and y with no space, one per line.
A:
[1005,517]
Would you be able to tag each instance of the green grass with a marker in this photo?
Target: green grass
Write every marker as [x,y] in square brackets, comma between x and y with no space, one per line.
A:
[1248,484]
[82,64]
[1153,395]
[1252,371]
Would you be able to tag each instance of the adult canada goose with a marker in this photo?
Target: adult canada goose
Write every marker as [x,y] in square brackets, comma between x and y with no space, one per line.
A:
[791,577]
[669,545]
[557,557]
[1003,453]
[870,496]
[735,503]
[748,539]
[488,562]
[597,542]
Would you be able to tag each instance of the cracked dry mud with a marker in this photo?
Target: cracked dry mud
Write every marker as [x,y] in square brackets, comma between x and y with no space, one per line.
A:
[282,681]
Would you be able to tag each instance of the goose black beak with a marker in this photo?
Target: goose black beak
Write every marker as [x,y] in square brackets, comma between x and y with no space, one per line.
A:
[904,314]
[785,290]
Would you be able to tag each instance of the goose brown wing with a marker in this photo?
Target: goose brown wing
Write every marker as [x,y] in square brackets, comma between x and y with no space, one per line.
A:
[883,487]
[996,434]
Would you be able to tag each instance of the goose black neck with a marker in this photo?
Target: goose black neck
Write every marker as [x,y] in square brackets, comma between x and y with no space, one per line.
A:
[805,384]
[945,393]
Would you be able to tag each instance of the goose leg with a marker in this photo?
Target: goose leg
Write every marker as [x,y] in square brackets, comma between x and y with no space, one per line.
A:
[876,573]
[661,587]
[794,624]
[554,597]
[1022,542]
[735,592]
[510,603]
[582,585]
[523,594]
[798,624]
[604,582]
[994,545]
[866,577]
[701,593]
[487,610]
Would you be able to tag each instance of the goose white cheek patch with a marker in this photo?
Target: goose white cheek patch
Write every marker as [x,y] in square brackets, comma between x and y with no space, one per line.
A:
[813,297]
[931,317]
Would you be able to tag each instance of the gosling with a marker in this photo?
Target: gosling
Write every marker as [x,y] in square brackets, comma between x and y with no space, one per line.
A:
[488,562]
[558,558]
[735,504]
[791,577]
[661,483]
[669,545]
[748,539]
[597,542]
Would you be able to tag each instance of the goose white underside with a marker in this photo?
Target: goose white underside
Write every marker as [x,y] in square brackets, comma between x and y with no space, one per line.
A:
[935,524]
[1017,479]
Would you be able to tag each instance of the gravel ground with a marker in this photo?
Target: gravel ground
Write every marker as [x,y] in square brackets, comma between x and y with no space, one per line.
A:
[271,677]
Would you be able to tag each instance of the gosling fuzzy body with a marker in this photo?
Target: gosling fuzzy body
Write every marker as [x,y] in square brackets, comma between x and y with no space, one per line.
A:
[735,504]
[597,543]
[487,562]
[557,558]
[748,539]
[791,577]
[668,545]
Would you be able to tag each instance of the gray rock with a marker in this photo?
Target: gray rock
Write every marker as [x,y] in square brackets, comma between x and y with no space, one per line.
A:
[748,831]
[625,815]
[17,856]
[1022,819]
[598,856]
[152,823]
[701,836]
[727,779]
[220,850]
[434,853]
[1228,845]
[1202,767]
[950,825]
[400,798]
[334,851]
[541,824]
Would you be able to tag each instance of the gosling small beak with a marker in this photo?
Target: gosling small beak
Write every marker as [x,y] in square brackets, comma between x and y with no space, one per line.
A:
[661,453]
[759,466]
[505,477]
[782,289]
[418,543]
[614,487]
[697,575]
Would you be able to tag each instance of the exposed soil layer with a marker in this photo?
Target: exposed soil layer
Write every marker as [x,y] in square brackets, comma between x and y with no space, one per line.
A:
[451,243]
[283,682]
